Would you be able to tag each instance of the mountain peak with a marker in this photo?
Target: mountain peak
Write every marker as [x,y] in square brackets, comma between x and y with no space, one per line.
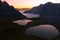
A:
[9,12]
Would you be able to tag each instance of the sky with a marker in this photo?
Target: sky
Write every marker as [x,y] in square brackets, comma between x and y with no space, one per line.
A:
[28,3]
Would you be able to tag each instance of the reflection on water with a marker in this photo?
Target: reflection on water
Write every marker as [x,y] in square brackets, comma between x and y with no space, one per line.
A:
[22,22]
[47,31]
[26,21]
[30,15]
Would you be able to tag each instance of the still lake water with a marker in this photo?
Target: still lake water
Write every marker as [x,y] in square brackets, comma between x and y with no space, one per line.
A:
[40,30]
[22,22]
[26,21]
[30,15]
[44,31]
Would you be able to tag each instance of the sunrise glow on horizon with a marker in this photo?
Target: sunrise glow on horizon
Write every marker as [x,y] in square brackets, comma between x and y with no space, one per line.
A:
[28,3]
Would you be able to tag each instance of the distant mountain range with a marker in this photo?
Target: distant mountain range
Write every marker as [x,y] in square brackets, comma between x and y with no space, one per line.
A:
[9,12]
[23,9]
[49,11]
[35,9]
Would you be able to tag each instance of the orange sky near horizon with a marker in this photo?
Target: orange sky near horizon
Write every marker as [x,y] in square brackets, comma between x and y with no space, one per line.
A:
[28,3]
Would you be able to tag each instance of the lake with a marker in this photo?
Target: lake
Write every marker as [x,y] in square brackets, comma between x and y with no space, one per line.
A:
[26,21]
[30,15]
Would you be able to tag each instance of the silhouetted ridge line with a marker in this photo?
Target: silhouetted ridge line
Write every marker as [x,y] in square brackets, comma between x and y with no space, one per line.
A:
[49,11]
[9,12]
